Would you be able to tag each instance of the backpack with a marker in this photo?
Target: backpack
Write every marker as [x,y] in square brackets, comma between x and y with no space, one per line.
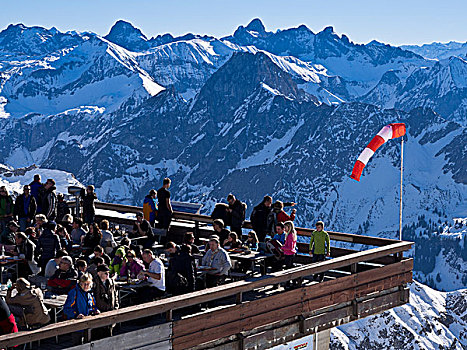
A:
[175,282]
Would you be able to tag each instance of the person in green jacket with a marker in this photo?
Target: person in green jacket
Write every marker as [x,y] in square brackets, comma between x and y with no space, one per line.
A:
[320,247]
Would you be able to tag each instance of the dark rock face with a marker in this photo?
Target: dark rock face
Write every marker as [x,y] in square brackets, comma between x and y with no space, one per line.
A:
[126,35]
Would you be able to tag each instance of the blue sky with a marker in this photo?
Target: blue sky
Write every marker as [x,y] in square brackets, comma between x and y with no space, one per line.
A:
[396,22]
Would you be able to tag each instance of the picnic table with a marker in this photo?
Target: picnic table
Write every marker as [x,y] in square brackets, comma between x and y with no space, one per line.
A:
[125,288]
[9,264]
[252,257]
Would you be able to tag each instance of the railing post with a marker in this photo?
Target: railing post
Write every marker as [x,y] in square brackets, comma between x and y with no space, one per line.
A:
[239,298]
[353,268]
[168,315]
[196,233]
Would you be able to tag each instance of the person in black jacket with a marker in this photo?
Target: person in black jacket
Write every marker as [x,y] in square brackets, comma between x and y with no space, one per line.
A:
[62,208]
[6,209]
[259,217]
[237,211]
[88,197]
[24,249]
[183,263]
[25,209]
[49,200]
[48,245]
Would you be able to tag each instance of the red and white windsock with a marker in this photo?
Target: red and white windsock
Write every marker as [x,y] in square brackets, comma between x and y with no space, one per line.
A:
[391,131]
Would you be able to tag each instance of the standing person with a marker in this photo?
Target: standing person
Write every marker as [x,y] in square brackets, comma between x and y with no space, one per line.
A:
[150,207]
[80,303]
[48,245]
[217,258]
[30,302]
[237,210]
[165,212]
[156,277]
[6,209]
[49,200]
[62,208]
[25,208]
[87,199]
[320,247]
[220,230]
[289,248]
[36,189]
[259,217]
[282,216]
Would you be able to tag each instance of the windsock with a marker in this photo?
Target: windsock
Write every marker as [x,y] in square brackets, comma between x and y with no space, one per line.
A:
[391,131]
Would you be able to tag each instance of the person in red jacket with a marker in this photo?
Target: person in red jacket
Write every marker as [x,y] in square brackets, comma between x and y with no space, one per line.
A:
[7,320]
[282,216]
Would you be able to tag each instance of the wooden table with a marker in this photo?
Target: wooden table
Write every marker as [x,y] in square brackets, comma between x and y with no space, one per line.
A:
[124,289]
[253,258]
[9,264]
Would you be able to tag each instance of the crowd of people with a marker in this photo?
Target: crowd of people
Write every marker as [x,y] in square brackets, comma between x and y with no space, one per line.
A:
[83,259]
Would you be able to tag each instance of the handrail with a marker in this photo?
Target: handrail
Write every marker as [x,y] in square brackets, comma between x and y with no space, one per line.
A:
[337,236]
[194,298]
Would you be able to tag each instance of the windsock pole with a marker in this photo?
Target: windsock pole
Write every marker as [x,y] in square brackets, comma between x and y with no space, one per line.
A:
[400,202]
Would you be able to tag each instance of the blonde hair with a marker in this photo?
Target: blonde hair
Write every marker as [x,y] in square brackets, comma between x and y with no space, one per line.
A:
[85,277]
[291,229]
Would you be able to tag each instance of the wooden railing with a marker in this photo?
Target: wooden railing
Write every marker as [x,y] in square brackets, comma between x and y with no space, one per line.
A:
[198,219]
[168,305]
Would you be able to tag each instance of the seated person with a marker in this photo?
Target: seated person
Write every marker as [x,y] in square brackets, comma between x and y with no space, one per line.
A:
[232,242]
[107,241]
[99,251]
[220,230]
[181,272]
[171,250]
[94,263]
[142,228]
[92,239]
[65,239]
[131,265]
[189,239]
[24,249]
[120,254]
[77,231]
[28,301]
[64,279]
[7,237]
[81,266]
[48,245]
[105,291]
[7,319]
[156,277]
[280,233]
[53,264]
[252,241]
[217,258]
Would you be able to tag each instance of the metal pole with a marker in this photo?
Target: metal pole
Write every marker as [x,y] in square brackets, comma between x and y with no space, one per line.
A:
[400,203]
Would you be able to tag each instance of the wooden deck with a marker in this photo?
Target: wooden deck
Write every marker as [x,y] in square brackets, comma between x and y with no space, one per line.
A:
[254,314]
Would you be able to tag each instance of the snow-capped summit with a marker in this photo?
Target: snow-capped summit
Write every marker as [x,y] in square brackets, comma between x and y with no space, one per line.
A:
[123,33]
[438,50]
[19,40]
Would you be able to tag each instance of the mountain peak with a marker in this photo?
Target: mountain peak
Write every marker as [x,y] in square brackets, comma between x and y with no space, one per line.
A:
[256,25]
[123,33]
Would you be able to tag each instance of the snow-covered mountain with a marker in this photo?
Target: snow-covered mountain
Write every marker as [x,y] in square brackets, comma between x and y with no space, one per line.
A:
[438,51]
[257,112]
[431,320]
